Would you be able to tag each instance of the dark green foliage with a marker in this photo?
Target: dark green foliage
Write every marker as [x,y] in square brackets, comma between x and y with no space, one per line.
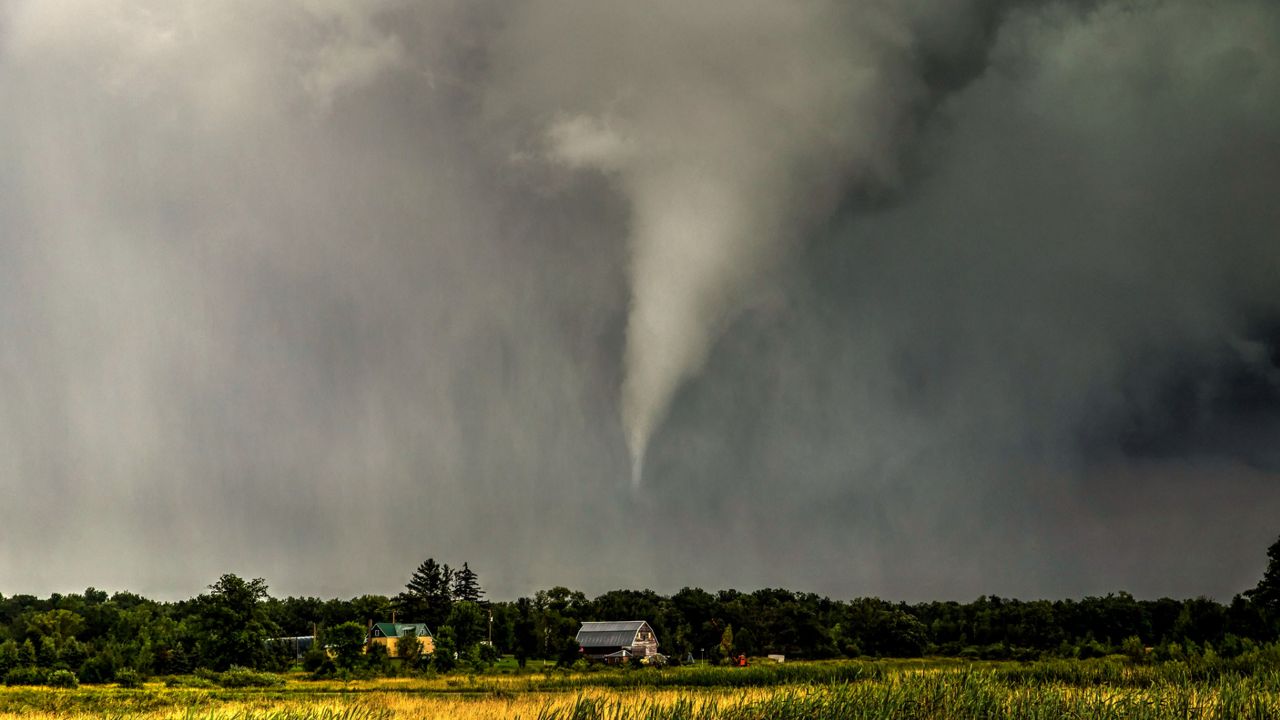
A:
[409,649]
[444,658]
[525,630]
[468,623]
[347,641]
[1133,649]
[428,596]
[62,679]
[27,653]
[27,675]
[488,653]
[317,662]
[8,656]
[101,668]
[129,678]
[1266,595]
[239,677]
[466,585]
[233,625]
[377,660]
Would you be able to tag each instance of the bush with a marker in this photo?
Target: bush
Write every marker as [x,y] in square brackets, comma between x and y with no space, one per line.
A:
[315,659]
[62,679]
[100,668]
[129,678]
[377,659]
[187,681]
[25,676]
[489,653]
[1133,648]
[1092,649]
[239,677]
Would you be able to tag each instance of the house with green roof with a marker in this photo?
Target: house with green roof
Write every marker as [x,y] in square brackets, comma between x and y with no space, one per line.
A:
[389,635]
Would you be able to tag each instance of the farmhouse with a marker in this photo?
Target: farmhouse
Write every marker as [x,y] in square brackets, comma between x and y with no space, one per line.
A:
[389,635]
[617,641]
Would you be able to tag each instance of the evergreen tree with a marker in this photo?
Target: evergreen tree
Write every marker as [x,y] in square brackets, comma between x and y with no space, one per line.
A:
[466,585]
[428,595]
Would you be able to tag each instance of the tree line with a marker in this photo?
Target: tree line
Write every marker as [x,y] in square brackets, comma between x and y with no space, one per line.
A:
[98,637]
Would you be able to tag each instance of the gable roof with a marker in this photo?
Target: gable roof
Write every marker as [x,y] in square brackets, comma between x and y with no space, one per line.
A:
[396,630]
[607,634]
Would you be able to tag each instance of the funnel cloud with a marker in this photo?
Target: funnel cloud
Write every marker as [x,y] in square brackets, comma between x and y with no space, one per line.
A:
[731,132]
[885,297]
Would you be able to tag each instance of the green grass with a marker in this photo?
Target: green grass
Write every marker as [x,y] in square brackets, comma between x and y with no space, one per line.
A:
[951,696]
[1106,689]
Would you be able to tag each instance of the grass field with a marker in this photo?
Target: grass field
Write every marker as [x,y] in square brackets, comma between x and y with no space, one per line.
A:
[1107,688]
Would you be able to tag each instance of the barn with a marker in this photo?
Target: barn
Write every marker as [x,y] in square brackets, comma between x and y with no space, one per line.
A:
[618,641]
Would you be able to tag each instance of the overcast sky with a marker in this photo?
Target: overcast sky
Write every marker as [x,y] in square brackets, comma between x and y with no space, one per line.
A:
[854,297]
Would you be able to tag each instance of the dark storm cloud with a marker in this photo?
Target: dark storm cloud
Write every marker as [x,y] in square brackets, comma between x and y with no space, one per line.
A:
[315,290]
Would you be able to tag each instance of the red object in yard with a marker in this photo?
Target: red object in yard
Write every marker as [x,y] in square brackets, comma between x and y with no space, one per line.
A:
[742,660]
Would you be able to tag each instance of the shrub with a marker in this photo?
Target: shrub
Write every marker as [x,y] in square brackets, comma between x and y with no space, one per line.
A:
[25,676]
[315,659]
[1133,649]
[1092,649]
[489,653]
[377,659]
[62,679]
[239,677]
[129,678]
[100,668]
[187,681]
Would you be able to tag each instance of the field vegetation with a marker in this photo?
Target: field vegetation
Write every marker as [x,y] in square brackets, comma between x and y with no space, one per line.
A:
[1113,687]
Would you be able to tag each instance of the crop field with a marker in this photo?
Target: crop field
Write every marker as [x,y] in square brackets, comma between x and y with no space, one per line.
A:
[1105,688]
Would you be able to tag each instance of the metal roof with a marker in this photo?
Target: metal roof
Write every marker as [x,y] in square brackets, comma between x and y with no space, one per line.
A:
[396,630]
[608,634]
[625,625]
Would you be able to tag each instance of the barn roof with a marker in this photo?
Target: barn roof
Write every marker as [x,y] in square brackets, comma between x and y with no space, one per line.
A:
[396,630]
[605,634]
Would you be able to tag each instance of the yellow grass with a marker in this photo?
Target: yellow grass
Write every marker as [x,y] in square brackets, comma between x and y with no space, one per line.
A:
[398,704]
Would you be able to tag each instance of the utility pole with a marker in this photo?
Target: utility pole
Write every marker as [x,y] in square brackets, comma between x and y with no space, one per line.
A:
[490,627]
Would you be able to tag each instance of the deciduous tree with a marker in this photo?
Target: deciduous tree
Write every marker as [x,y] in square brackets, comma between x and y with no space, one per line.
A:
[1267,594]
[233,626]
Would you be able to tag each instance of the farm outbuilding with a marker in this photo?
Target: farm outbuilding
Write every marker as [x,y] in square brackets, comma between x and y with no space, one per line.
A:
[389,635]
[617,641]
